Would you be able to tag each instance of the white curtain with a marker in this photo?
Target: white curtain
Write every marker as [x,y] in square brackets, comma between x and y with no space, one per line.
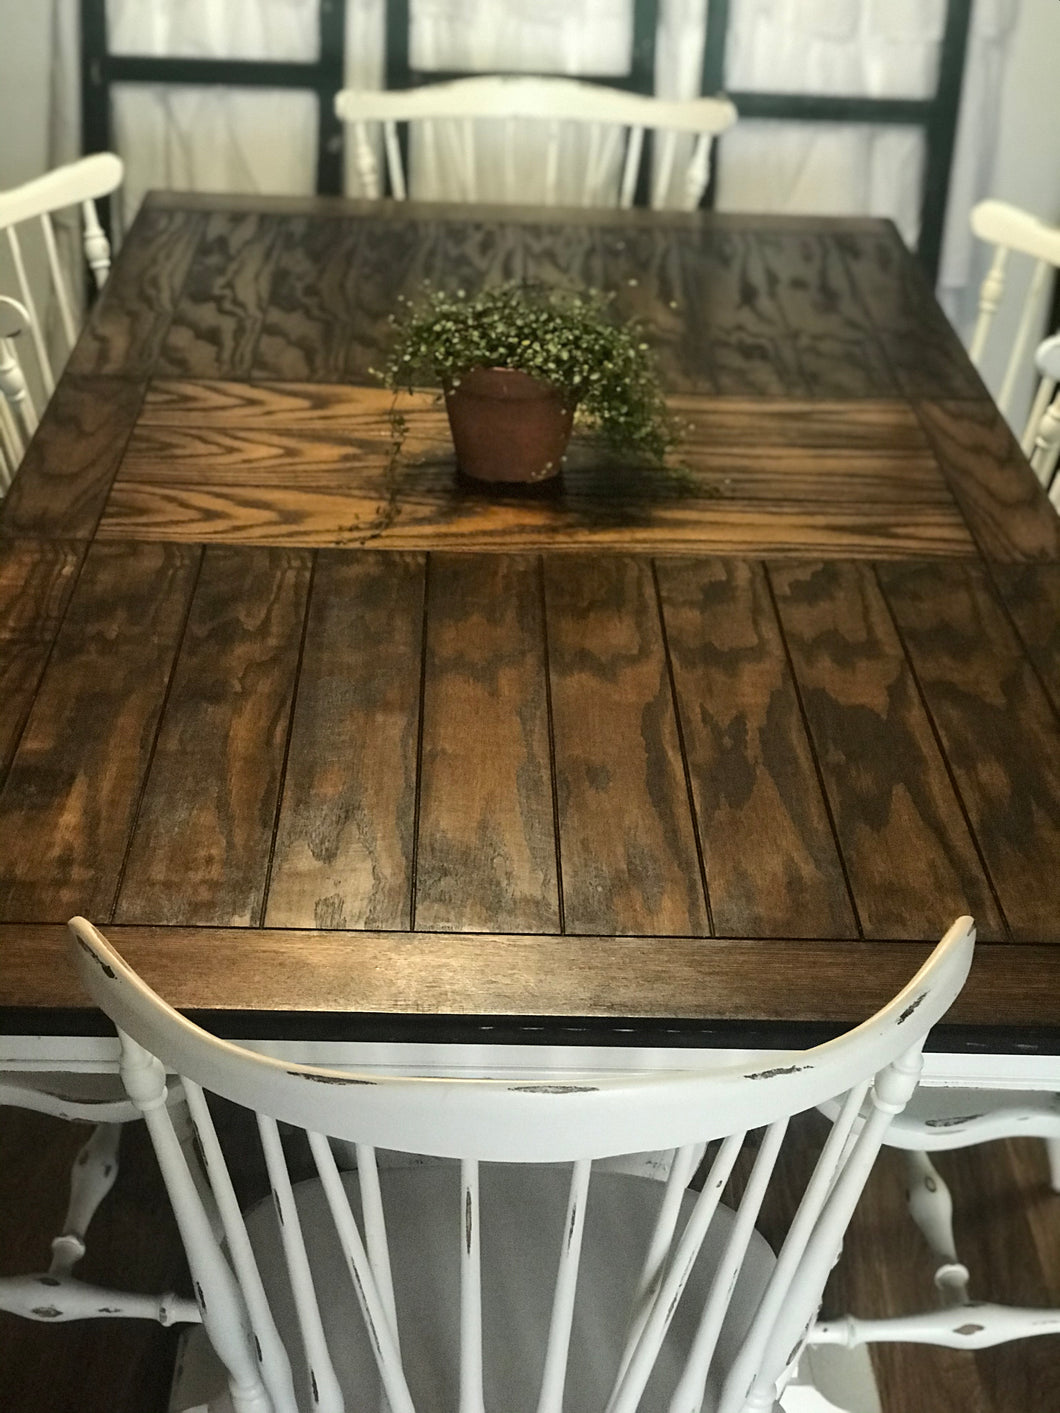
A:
[239,140]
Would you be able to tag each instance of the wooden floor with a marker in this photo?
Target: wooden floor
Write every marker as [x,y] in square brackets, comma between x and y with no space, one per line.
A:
[122,1367]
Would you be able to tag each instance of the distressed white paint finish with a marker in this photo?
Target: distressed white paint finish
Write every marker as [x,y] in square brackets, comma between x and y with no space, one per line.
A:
[26,216]
[611,116]
[713,1275]
[19,420]
[937,1120]
[1010,229]
[56,1295]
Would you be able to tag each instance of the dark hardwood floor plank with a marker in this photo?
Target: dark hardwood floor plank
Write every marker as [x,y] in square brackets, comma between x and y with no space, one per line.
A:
[998,729]
[216,324]
[770,855]
[126,329]
[924,352]
[838,352]
[628,851]
[1031,593]
[344,841]
[909,856]
[199,852]
[70,797]
[486,853]
[1006,509]
[63,482]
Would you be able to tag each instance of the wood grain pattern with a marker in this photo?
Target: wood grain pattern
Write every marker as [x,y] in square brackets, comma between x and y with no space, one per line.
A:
[126,329]
[71,791]
[199,851]
[437,975]
[1031,593]
[486,854]
[910,858]
[216,323]
[36,578]
[768,847]
[628,850]
[998,729]
[312,464]
[344,841]
[922,348]
[1007,511]
[62,485]
[837,351]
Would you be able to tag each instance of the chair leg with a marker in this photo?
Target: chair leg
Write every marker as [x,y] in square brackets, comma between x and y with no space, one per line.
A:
[91,1178]
[931,1207]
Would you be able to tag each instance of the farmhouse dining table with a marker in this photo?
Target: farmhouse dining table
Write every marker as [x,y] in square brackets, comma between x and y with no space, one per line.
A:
[338,749]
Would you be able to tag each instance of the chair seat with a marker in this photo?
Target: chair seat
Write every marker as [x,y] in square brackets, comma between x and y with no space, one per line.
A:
[523,1216]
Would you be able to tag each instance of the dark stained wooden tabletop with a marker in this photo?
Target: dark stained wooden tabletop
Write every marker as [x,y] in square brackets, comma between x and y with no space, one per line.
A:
[310,729]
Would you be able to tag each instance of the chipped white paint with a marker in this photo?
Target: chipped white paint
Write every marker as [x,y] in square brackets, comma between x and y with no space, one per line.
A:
[26,213]
[538,1121]
[1009,229]
[611,116]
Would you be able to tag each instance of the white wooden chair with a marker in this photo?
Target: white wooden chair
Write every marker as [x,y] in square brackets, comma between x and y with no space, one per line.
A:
[1009,229]
[1045,449]
[56,1294]
[26,214]
[503,1278]
[937,1120]
[616,120]
[18,412]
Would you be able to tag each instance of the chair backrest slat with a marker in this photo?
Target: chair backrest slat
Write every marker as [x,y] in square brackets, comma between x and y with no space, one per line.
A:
[693,1381]
[275,1365]
[379,1314]
[553,101]
[326,1392]
[62,294]
[471,1395]
[36,328]
[1009,229]
[688,1255]
[557,1349]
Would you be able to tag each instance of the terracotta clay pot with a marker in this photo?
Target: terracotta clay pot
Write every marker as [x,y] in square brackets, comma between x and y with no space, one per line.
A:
[508,426]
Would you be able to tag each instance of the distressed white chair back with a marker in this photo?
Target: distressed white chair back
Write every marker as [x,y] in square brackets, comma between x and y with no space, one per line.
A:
[1013,231]
[26,215]
[540,1121]
[18,411]
[1045,418]
[615,123]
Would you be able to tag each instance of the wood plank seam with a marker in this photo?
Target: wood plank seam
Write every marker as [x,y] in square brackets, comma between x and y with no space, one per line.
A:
[696,833]
[813,749]
[992,570]
[17,737]
[414,861]
[119,459]
[942,752]
[142,789]
[551,745]
[287,745]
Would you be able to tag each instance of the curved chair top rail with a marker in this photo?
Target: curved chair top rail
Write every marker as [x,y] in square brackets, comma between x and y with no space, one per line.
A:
[539,1119]
[14,317]
[1047,358]
[1000,223]
[514,97]
[84,180]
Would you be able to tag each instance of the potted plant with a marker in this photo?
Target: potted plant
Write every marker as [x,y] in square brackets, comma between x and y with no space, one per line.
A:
[518,364]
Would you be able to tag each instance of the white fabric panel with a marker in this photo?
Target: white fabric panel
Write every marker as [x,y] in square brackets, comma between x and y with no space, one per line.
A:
[240,141]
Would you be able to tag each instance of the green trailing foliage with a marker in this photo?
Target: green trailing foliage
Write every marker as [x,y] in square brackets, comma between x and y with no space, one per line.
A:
[568,339]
